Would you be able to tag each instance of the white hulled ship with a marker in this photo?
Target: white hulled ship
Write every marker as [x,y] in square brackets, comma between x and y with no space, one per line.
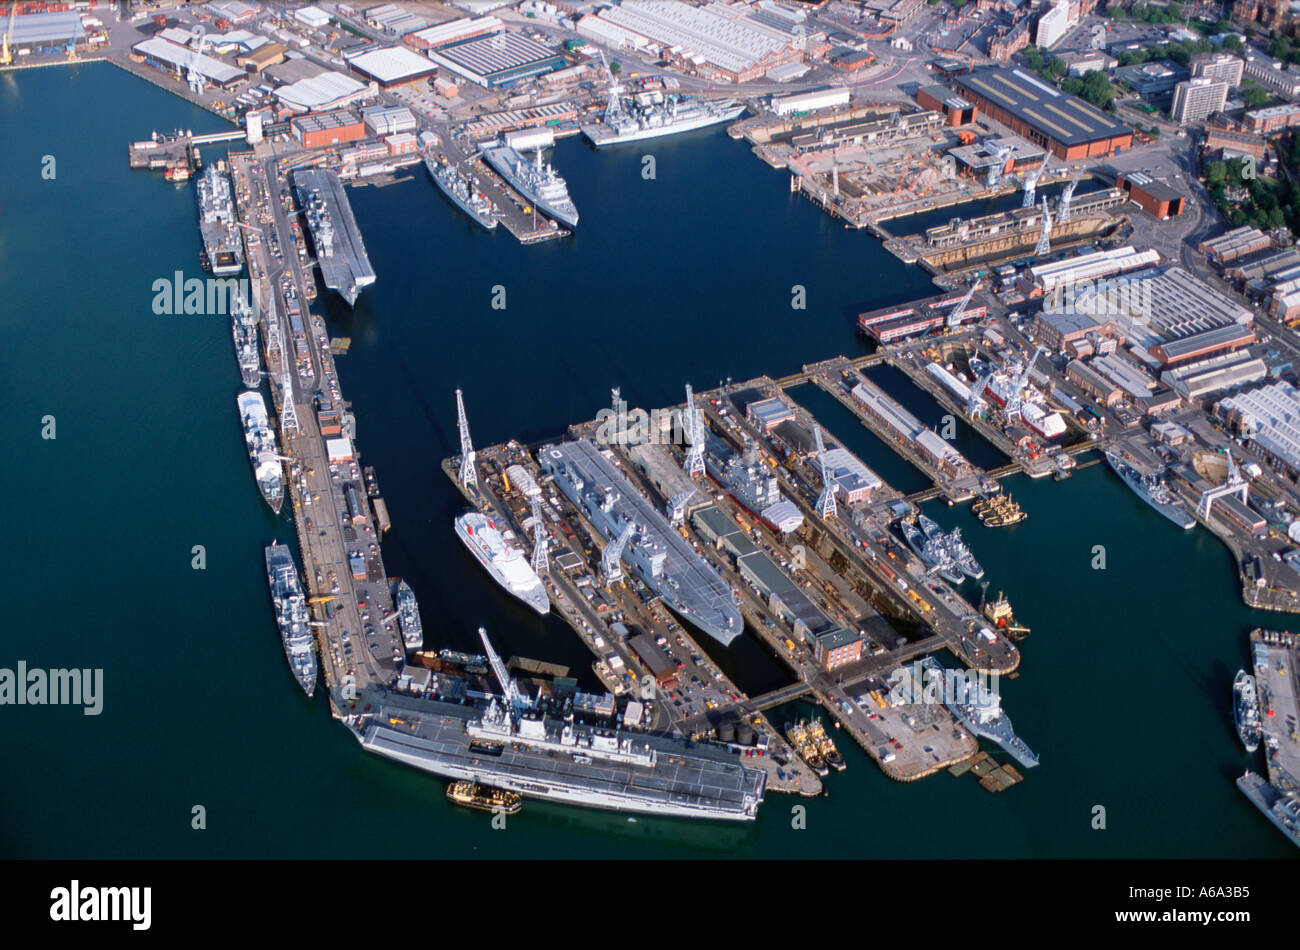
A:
[504,559]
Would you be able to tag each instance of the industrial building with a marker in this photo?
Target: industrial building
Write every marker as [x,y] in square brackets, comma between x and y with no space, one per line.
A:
[327,128]
[497,60]
[1152,195]
[906,428]
[1093,383]
[1066,125]
[1234,244]
[1204,343]
[312,16]
[811,101]
[941,99]
[180,60]
[1153,82]
[716,40]
[391,66]
[664,472]
[393,20]
[1047,278]
[43,30]
[1197,99]
[263,57]
[387,120]
[462,29]
[322,92]
[1196,379]
[1269,420]
[767,414]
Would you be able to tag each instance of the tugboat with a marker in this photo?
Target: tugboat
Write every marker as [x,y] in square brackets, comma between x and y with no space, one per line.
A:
[797,733]
[817,735]
[473,795]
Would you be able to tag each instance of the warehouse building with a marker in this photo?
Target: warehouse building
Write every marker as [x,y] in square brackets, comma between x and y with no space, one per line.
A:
[43,30]
[716,40]
[263,57]
[1205,343]
[1093,383]
[1048,278]
[1152,195]
[327,128]
[462,29]
[810,101]
[941,99]
[1234,244]
[180,60]
[497,60]
[388,120]
[1197,379]
[393,20]
[323,92]
[1065,125]
[1268,418]
[391,66]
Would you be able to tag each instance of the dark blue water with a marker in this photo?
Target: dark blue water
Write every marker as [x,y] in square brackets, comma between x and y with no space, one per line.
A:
[1126,679]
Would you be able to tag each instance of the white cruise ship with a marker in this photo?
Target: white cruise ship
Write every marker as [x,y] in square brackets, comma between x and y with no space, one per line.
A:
[504,560]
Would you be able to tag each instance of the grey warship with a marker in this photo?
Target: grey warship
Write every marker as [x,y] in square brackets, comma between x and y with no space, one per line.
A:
[663,560]
[512,745]
[341,253]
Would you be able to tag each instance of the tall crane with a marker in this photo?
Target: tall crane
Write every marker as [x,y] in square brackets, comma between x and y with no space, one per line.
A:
[513,698]
[826,500]
[694,464]
[1015,401]
[541,559]
[6,55]
[614,102]
[956,313]
[198,38]
[974,400]
[468,471]
[1044,246]
[676,506]
[1063,207]
[611,559]
[1031,183]
[1234,485]
[288,413]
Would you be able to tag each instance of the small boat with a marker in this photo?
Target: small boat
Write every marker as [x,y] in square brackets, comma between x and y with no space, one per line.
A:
[484,797]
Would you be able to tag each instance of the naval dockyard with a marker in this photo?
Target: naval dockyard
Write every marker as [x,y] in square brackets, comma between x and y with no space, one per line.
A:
[1060,336]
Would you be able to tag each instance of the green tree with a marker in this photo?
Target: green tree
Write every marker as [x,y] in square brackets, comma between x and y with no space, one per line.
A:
[1254,96]
[1233,44]
[1215,172]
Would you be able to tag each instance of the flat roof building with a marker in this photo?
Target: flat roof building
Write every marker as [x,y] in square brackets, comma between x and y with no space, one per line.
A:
[392,65]
[1066,125]
[1269,419]
[326,90]
[497,60]
[1197,99]
[320,129]
[168,56]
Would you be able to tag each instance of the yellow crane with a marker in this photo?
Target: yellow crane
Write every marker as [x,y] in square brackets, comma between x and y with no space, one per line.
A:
[6,57]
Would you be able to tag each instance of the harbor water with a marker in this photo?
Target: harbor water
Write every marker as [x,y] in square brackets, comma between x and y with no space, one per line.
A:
[1125,687]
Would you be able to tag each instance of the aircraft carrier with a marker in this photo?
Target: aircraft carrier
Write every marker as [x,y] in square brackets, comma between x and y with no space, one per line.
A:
[510,745]
[340,251]
[222,251]
[659,556]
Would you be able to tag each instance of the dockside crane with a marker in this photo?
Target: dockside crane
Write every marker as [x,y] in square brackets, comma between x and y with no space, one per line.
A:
[1015,399]
[468,471]
[1044,246]
[614,102]
[1031,184]
[541,559]
[611,559]
[694,463]
[513,699]
[1063,207]
[826,500]
[956,314]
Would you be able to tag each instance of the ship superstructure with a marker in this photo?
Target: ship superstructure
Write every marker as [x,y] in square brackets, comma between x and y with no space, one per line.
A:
[344,264]
[1245,710]
[536,181]
[649,115]
[1151,488]
[243,326]
[663,560]
[503,559]
[291,615]
[222,248]
[933,552]
[408,617]
[511,744]
[261,448]
[461,190]
[1281,808]
[979,709]
[757,491]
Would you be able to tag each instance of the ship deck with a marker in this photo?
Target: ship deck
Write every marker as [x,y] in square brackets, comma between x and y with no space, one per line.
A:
[431,735]
[349,266]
